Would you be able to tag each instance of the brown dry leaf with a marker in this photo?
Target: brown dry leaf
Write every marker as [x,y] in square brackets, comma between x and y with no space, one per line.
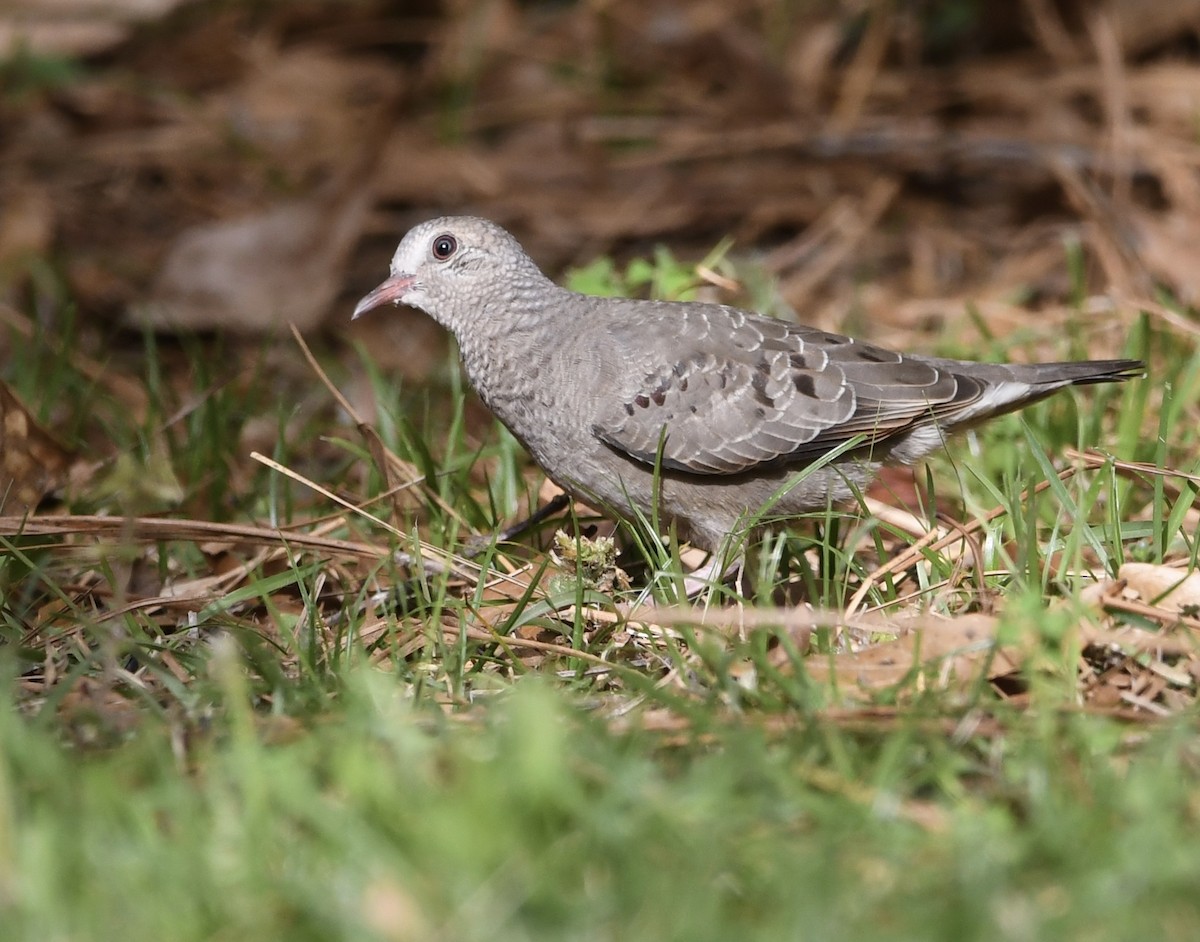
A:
[26,228]
[306,114]
[94,712]
[416,163]
[1163,586]
[1150,680]
[1169,91]
[1145,23]
[951,649]
[260,272]
[32,461]
[230,242]
[1167,247]
[309,116]
[1153,671]
[75,27]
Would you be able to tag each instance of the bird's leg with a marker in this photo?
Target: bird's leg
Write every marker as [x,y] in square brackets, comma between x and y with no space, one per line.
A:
[704,576]
[734,565]
[555,505]
[714,572]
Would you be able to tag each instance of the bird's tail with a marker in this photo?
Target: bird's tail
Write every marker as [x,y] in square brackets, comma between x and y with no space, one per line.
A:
[1083,373]
[1008,386]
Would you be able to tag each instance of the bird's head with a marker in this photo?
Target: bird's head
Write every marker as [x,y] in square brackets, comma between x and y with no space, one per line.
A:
[451,267]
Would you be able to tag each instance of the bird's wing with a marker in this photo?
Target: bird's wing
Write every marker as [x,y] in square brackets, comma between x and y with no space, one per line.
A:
[747,392]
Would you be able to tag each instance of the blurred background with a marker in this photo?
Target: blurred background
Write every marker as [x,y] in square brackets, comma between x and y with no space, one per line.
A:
[1013,179]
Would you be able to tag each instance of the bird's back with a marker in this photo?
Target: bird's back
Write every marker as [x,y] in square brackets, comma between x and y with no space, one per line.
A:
[722,391]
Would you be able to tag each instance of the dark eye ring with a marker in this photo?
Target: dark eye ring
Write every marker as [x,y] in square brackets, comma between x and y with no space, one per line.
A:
[444,246]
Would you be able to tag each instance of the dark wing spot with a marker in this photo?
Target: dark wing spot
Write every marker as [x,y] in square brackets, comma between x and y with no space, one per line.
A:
[683,385]
[628,408]
[659,397]
[759,383]
[872,357]
[763,366]
[797,361]
[641,401]
[805,385]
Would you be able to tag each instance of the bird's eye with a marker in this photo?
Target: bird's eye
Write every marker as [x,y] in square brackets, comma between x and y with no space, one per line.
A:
[444,246]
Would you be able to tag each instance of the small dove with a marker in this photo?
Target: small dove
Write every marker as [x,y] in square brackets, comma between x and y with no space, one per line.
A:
[732,408]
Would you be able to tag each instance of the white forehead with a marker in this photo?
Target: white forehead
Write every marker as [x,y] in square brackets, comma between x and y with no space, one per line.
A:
[415,248]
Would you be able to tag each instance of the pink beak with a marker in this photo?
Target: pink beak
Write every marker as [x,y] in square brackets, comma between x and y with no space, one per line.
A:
[389,291]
